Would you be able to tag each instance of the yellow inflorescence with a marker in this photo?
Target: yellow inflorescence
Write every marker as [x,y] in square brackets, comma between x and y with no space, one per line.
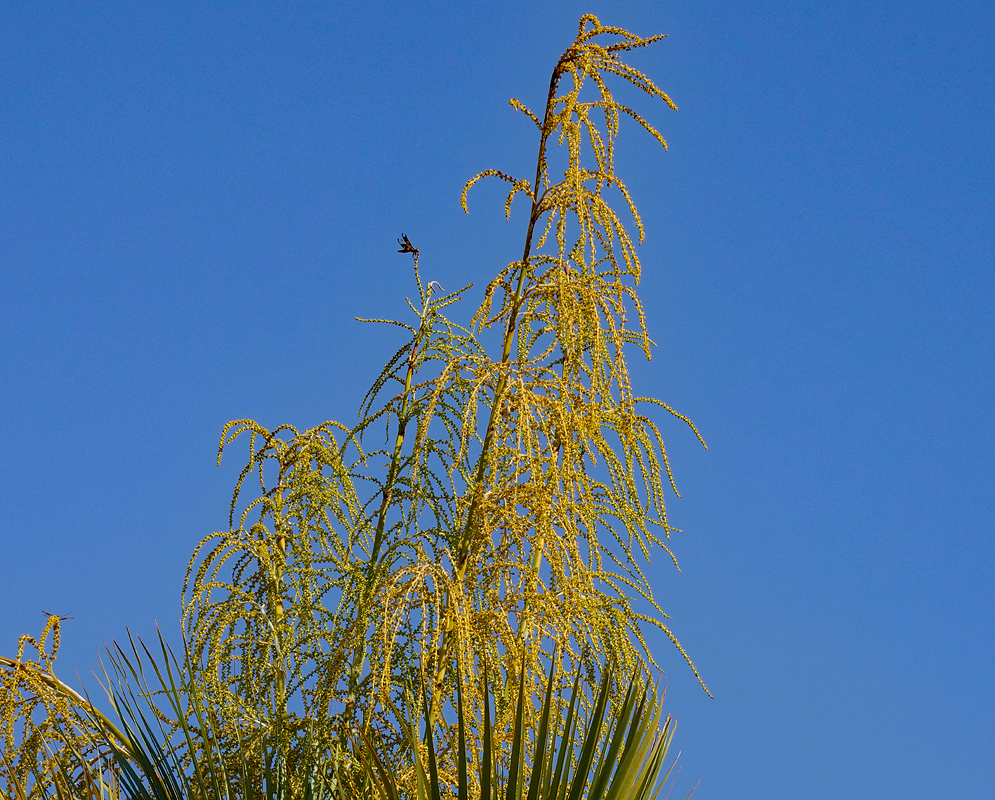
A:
[508,511]
[46,734]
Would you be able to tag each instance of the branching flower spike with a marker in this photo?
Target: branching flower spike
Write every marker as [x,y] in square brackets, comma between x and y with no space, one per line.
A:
[478,537]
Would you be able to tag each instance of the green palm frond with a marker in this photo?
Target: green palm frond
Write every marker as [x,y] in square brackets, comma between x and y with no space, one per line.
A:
[179,751]
[614,752]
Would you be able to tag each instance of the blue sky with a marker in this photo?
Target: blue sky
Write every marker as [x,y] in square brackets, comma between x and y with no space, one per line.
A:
[197,198]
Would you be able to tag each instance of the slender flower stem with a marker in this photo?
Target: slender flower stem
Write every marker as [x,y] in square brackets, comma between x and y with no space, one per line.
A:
[395,460]
[509,336]
[359,652]
[465,548]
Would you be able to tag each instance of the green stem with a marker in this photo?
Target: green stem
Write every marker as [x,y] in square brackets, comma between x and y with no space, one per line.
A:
[395,460]
[359,652]
[464,551]
[509,337]
[279,607]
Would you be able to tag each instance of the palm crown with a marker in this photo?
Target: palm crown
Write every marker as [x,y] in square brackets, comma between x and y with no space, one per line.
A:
[490,546]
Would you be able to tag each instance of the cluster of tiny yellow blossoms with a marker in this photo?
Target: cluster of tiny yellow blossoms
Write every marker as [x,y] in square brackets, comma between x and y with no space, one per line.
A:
[488,513]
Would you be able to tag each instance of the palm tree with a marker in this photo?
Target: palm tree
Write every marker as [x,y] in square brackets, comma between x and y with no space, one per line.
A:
[356,615]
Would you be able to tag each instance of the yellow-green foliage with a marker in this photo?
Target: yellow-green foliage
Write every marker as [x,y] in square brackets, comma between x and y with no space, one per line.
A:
[510,506]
